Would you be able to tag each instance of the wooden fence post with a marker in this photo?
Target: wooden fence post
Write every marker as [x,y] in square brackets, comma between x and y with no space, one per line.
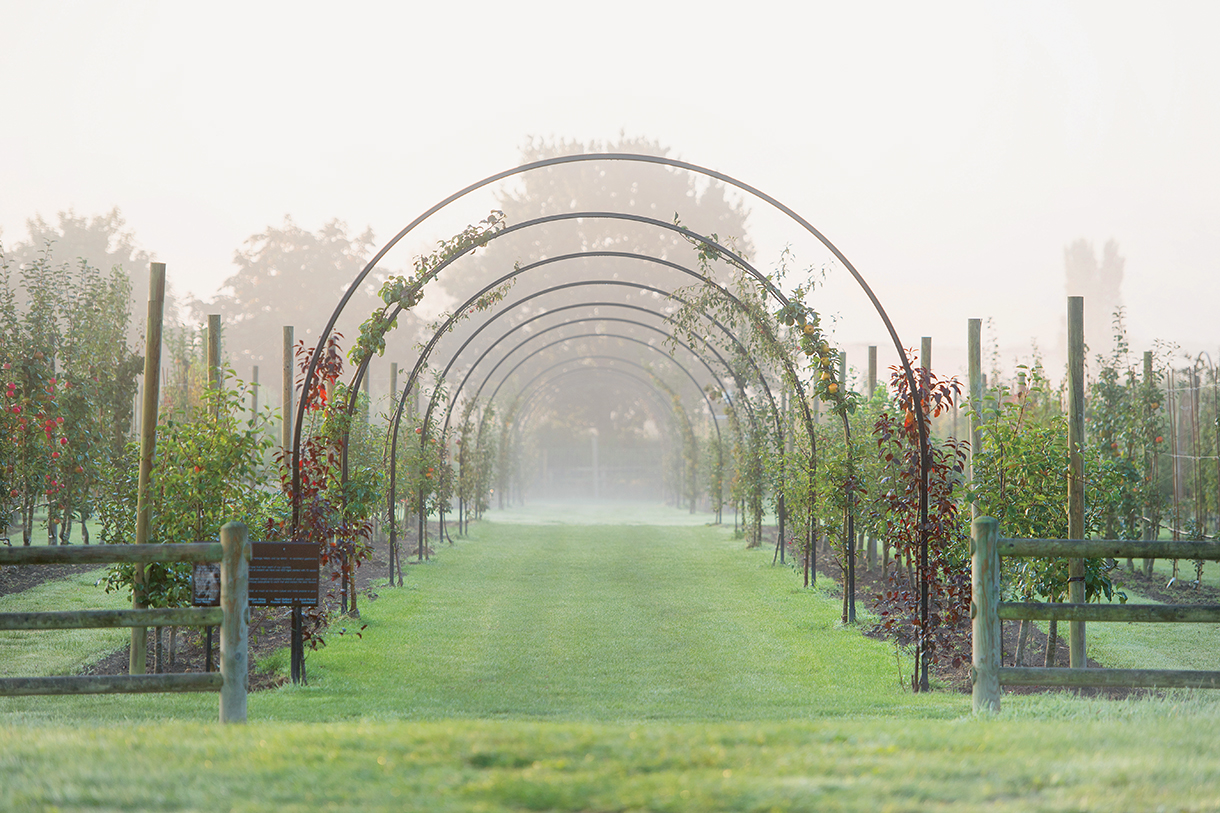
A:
[1076,650]
[870,554]
[138,660]
[254,397]
[214,378]
[286,390]
[985,620]
[234,640]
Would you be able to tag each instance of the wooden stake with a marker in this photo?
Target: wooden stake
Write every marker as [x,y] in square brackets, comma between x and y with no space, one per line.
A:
[974,363]
[286,391]
[985,622]
[234,632]
[138,660]
[214,383]
[925,615]
[1076,647]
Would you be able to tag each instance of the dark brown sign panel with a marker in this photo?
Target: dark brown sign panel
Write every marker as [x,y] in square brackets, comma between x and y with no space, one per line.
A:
[282,573]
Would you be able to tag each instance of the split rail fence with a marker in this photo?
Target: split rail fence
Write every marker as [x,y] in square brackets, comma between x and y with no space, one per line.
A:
[233,552]
[987,611]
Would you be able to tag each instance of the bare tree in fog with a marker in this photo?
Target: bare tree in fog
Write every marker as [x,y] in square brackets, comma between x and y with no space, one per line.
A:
[1100,283]
[287,275]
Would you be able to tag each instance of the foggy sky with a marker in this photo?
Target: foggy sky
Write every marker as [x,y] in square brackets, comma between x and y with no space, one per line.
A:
[951,150]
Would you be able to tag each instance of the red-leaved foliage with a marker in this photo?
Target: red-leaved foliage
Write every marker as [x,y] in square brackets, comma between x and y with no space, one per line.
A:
[948,570]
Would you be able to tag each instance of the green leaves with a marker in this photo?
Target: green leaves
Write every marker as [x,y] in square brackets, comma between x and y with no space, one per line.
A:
[401,292]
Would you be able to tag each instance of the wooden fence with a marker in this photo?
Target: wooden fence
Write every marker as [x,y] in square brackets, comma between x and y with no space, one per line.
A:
[233,551]
[986,612]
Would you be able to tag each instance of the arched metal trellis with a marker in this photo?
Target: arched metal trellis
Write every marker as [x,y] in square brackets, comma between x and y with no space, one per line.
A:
[772,290]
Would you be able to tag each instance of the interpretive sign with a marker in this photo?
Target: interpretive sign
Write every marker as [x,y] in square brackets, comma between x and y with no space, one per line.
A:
[205,584]
[284,573]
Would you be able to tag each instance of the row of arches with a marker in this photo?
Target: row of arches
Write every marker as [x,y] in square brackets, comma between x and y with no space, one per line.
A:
[752,374]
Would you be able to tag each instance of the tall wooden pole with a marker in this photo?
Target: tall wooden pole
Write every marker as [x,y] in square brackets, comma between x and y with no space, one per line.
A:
[1149,531]
[214,365]
[925,616]
[286,406]
[985,622]
[254,397]
[872,369]
[234,632]
[392,517]
[870,553]
[1076,651]
[296,657]
[138,661]
[974,364]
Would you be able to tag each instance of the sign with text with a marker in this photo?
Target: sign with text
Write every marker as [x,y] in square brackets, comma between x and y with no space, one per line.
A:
[205,584]
[282,573]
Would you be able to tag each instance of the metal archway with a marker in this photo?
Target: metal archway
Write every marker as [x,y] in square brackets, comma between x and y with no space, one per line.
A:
[924,447]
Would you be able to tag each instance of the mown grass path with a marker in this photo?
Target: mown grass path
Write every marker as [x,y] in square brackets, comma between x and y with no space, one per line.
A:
[574,668]
[626,622]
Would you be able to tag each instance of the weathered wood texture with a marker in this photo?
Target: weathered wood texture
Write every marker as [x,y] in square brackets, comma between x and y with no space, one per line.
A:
[984,604]
[214,379]
[1075,319]
[974,365]
[102,619]
[1109,678]
[1136,613]
[111,684]
[286,390]
[235,603]
[984,624]
[233,552]
[110,554]
[148,448]
[1111,548]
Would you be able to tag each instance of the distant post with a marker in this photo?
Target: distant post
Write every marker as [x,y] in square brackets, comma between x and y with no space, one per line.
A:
[1076,649]
[214,365]
[870,555]
[138,660]
[872,369]
[296,656]
[286,392]
[254,397]
[974,364]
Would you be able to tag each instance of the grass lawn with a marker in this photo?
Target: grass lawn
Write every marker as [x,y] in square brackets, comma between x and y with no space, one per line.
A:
[570,666]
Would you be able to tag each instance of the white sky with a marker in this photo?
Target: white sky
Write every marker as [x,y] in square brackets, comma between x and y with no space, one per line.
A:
[951,150]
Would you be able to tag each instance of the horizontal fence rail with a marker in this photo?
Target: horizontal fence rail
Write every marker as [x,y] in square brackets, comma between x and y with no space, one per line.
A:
[987,611]
[102,619]
[1109,548]
[233,617]
[115,684]
[111,554]
[1141,613]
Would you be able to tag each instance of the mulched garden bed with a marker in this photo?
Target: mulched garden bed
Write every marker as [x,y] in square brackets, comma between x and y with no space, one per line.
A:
[869,587]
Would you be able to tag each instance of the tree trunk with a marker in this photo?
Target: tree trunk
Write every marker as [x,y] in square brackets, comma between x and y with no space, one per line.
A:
[27,524]
[1052,639]
[158,652]
[1022,640]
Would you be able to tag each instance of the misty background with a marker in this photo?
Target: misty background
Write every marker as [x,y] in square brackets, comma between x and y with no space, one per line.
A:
[957,153]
